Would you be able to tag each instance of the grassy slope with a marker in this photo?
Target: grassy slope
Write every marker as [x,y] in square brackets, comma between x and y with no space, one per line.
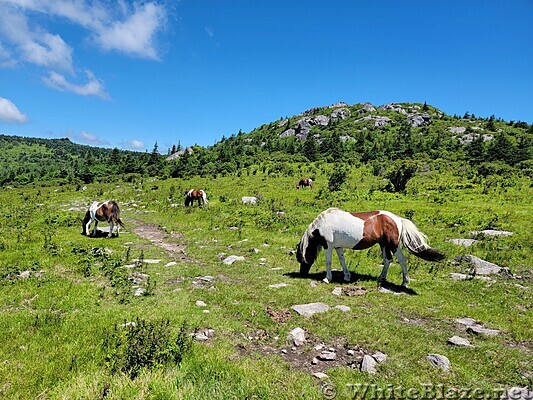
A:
[52,326]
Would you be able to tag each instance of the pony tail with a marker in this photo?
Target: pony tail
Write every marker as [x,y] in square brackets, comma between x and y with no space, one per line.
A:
[204,196]
[416,242]
[115,214]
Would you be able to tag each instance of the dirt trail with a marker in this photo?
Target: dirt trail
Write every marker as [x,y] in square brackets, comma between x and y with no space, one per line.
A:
[160,238]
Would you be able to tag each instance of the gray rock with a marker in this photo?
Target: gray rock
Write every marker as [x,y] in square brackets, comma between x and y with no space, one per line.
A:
[481,330]
[393,107]
[231,259]
[139,291]
[482,267]
[337,291]
[288,133]
[343,308]
[439,361]
[463,242]
[459,341]
[467,321]
[419,120]
[491,232]
[320,375]
[457,129]
[308,310]
[381,121]
[200,303]
[475,328]
[277,285]
[249,200]
[340,113]
[24,274]
[297,336]
[203,335]
[369,365]
[367,108]
[327,356]
[379,357]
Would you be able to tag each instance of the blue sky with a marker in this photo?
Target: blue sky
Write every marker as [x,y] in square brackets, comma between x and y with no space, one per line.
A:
[128,74]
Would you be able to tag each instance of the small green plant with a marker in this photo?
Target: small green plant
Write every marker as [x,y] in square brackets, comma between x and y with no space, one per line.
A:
[131,347]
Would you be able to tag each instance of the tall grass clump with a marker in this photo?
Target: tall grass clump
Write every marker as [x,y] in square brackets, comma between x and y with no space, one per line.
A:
[131,347]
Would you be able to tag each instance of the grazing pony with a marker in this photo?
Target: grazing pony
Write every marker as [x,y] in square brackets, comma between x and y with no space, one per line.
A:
[338,229]
[305,182]
[104,211]
[195,194]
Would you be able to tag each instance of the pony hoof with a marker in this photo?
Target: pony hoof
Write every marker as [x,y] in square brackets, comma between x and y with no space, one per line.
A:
[347,278]
[325,280]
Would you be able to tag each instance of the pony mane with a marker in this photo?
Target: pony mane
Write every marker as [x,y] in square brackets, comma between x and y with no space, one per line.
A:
[309,234]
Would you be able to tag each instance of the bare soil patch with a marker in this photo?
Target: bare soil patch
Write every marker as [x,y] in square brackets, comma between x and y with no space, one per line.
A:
[162,239]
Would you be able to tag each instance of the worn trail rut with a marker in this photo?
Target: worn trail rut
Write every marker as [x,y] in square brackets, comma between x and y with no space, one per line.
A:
[160,238]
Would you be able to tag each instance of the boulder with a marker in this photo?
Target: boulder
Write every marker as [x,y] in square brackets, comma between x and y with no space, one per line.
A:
[308,310]
[419,120]
[288,133]
[463,242]
[490,232]
[459,341]
[231,259]
[249,200]
[439,361]
[481,267]
[369,365]
[297,336]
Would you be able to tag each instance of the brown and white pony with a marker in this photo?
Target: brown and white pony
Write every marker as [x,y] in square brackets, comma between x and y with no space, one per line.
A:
[104,211]
[195,194]
[338,229]
[305,182]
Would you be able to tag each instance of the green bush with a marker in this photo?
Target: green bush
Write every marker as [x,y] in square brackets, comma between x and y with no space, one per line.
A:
[131,347]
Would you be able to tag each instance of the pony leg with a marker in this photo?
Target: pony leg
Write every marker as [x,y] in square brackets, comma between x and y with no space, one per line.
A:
[111,227]
[94,227]
[403,262]
[87,227]
[387,260]
[329,256]
[340,254]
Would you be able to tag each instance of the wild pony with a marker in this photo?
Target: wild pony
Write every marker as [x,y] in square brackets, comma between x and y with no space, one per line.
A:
[195,194]
[338,229]
[305,182]
[104,211]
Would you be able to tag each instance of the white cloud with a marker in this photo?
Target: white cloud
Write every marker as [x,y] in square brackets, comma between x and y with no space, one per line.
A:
[136,34]
[87,138]
[127,27]
[51,52]
[133,144]
[10,113]
[210,31]
[93,87]
[113,26]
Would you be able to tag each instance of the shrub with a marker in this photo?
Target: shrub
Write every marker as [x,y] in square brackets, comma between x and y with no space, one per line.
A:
[131,347]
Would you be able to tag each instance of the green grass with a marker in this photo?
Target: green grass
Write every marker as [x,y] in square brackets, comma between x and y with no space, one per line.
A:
[52,326]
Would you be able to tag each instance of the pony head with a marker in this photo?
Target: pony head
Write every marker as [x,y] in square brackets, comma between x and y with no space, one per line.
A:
[307,250]
[86,219]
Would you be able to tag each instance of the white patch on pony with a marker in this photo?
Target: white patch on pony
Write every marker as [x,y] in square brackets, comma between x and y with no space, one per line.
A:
[341,230]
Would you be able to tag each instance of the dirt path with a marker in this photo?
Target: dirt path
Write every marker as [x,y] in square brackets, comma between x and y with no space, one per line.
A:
[160,238]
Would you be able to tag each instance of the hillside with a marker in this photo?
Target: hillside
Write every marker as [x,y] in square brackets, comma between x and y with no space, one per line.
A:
[381,137]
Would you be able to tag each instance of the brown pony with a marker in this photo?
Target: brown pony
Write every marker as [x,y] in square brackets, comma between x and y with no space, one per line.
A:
[305,182]
[195,194]
[105,211]
[335,229]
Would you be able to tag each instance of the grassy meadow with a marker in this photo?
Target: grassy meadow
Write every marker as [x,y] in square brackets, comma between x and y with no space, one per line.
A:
[64,328]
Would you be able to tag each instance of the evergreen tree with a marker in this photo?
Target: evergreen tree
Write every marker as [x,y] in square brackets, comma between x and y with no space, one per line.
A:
[310,148]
